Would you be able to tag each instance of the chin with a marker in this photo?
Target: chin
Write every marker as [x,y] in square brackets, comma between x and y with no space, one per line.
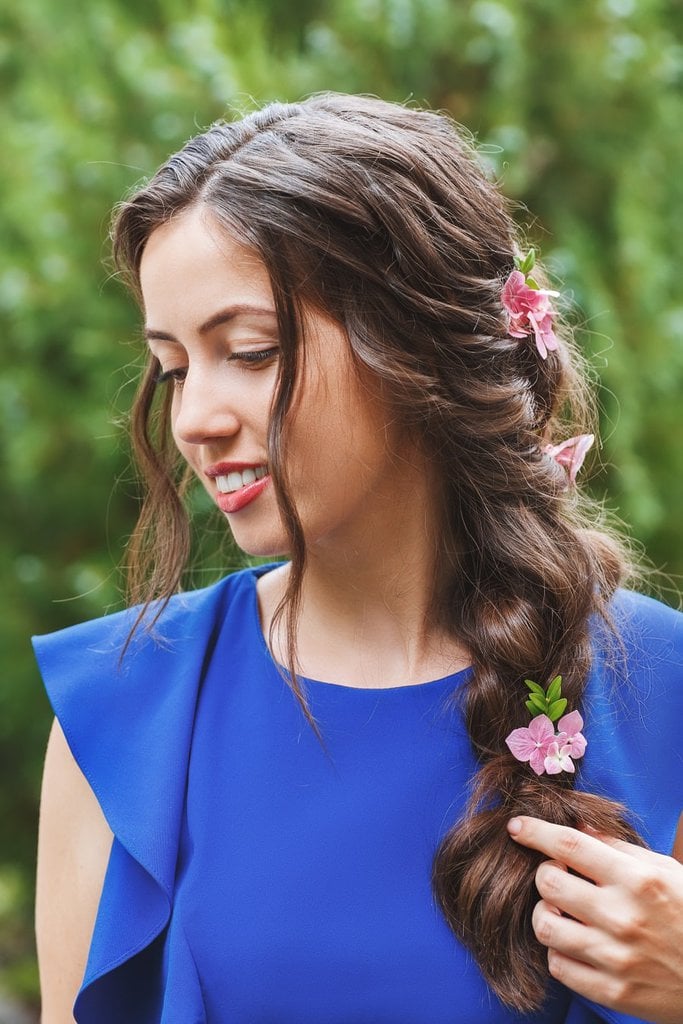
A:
[261,547]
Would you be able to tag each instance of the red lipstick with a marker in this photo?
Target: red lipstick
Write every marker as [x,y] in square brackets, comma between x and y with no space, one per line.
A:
[237,500]
[243,495]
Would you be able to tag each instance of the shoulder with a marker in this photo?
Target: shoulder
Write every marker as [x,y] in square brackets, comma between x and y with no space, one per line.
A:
[637,673]
[138,676]
[646,651]
[118,700]
[644,620]
[121,640]
[632,707]
[116,773]
[638,662]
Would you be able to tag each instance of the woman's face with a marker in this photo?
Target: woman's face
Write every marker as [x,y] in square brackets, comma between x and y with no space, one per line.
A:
[211,323]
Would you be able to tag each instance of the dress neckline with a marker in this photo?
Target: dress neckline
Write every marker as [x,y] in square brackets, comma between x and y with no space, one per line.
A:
[449,681]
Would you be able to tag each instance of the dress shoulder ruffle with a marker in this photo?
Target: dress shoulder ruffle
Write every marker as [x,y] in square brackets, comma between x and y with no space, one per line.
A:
[128,720]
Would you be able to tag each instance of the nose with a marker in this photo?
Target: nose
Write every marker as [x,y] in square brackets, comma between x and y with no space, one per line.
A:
[203,410]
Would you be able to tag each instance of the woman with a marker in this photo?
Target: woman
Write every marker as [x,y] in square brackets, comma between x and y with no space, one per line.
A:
[290,793]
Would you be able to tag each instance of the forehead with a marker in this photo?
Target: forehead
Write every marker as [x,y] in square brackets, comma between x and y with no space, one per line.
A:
[192,263]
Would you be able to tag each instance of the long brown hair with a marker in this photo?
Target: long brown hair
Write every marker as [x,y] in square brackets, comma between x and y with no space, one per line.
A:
[381,216]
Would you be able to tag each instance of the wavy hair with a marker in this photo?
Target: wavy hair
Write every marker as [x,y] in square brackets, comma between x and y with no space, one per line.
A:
[382,217]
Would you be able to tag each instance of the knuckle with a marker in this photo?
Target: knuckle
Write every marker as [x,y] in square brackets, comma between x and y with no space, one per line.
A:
[650,886]
[549,880]
[617,992]
[556,966]
[543,924]
[624,929]
[569,843]
[621,962]
[627,927]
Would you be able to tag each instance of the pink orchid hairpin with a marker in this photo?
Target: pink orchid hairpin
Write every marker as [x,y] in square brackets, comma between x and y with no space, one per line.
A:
[529,307]
[545,749]
[570,453]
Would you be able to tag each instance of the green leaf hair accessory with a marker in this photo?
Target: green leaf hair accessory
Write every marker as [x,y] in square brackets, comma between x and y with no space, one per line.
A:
[525,264]
[548,702]
[539,744]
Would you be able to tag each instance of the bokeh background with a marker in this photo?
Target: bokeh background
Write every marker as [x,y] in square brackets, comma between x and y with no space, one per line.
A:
[578,108]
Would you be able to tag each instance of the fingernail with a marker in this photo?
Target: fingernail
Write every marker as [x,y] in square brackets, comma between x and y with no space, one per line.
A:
[514,826]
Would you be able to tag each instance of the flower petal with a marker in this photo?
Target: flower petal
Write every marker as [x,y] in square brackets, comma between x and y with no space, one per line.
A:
[565,760]
[571,453]
[552,760]
[539,337]
[512,289]
[571,723]
[538,760]
[542,729]
[521,744]
[558,760]
[577,745]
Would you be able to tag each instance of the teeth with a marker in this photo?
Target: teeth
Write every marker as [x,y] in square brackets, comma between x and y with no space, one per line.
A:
[233,481]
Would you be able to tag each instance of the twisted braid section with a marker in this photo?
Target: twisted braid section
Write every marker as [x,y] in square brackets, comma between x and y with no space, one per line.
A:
[485,883]
[529,580]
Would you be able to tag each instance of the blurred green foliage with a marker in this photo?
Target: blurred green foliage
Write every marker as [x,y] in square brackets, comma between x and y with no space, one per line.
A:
[578,107]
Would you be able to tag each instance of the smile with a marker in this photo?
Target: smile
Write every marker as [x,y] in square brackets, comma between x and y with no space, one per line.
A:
[236,480]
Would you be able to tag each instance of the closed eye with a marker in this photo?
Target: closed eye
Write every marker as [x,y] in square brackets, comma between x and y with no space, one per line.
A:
[177,375]
[248,357]
[253,356]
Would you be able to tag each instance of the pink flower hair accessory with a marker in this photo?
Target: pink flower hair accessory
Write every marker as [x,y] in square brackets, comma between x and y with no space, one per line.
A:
[528,306]
[545,749]
[570,453]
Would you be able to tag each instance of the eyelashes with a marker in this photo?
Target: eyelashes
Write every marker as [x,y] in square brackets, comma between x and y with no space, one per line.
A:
[177,376]
[248,358]
[257,355]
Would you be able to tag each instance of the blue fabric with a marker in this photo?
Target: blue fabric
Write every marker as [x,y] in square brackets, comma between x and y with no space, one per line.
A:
[257,877]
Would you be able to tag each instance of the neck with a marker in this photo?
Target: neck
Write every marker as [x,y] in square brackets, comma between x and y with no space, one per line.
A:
[367,615]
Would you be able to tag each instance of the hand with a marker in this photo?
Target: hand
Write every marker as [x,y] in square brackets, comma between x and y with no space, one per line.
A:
[622,943]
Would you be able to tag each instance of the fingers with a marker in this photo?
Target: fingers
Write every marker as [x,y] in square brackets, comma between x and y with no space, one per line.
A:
[557,932]
[565,892]
[586,854]
[637,852]
[551,839]
[584,979]
[612,975]
[613,929]
[572,938]
[584,933]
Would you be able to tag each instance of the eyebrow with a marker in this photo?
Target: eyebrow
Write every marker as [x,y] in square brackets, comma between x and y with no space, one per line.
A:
[223,316]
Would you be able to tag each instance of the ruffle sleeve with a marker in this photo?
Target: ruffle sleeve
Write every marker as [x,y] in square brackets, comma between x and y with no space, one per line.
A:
[128,720]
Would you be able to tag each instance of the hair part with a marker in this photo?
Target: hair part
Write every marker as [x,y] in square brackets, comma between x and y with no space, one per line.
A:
[380,217]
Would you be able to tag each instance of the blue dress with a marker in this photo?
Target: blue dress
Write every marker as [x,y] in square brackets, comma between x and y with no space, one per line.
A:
[258,877]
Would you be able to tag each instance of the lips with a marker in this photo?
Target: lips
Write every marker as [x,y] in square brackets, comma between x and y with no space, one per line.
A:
[238,483]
